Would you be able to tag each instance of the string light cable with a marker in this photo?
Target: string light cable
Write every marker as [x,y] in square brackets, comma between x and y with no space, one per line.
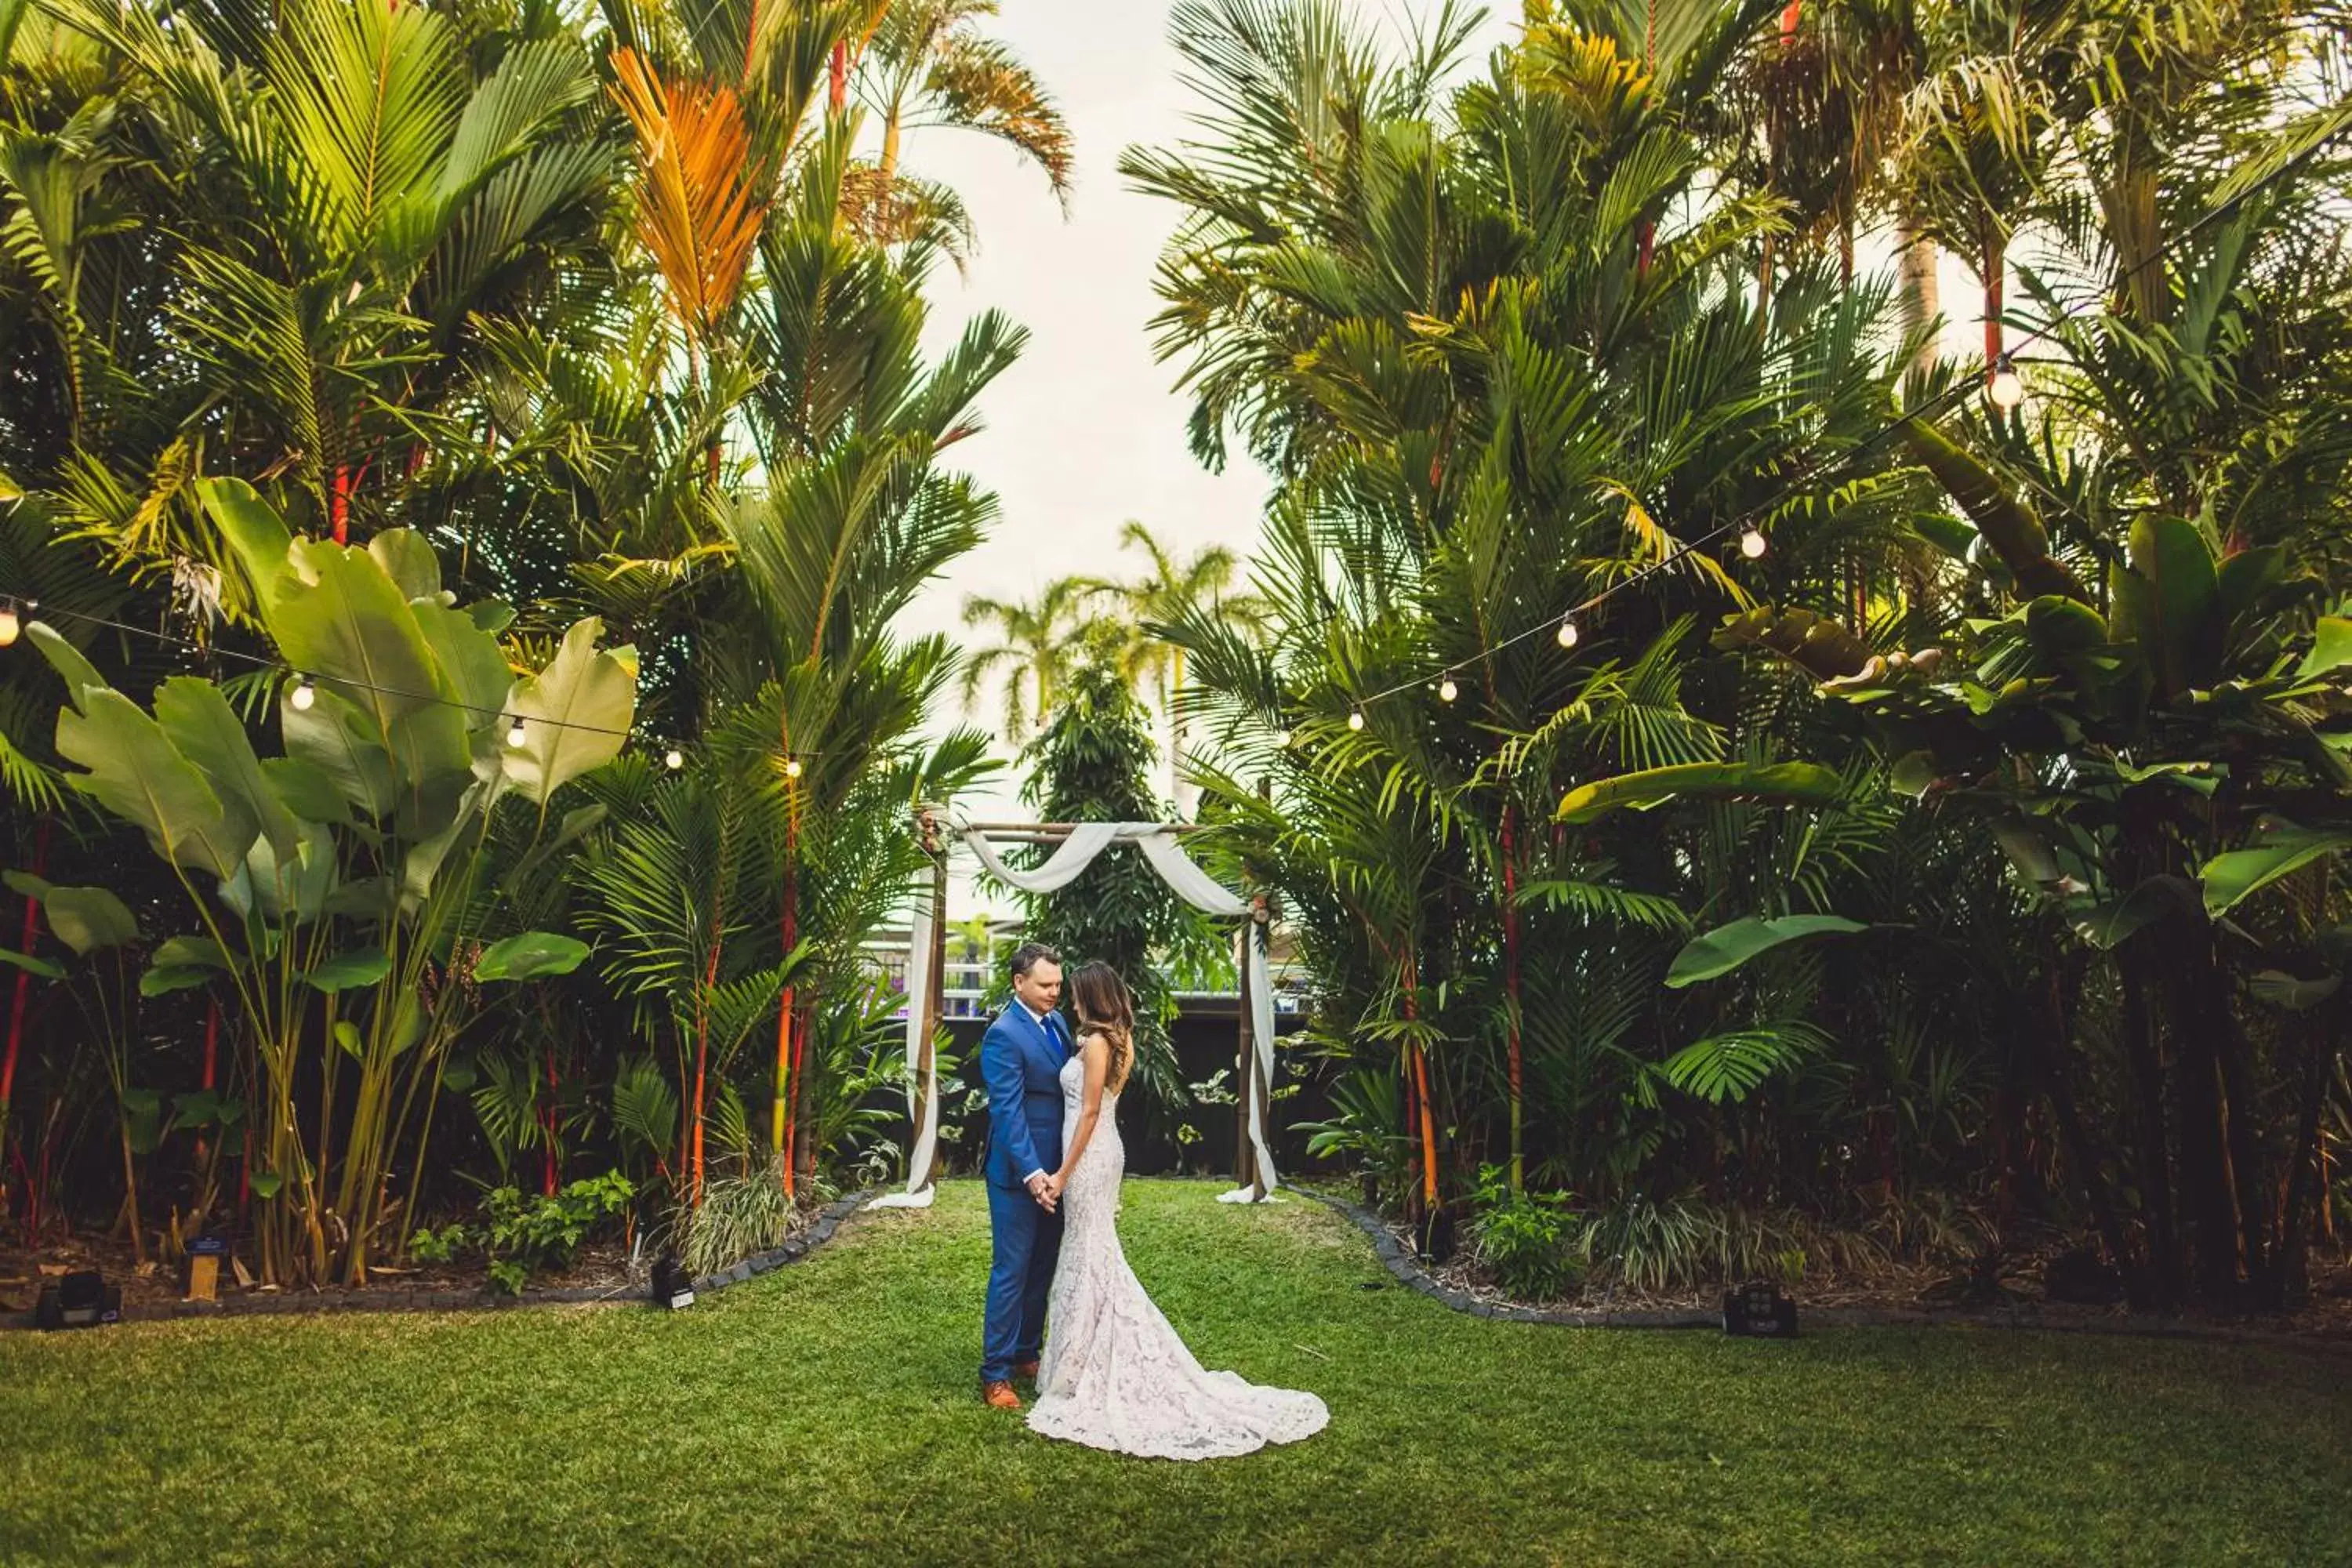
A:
[1997,379]
[306,685]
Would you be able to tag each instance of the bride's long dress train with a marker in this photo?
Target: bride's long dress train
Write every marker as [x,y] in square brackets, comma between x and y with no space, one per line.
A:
[1114,1374]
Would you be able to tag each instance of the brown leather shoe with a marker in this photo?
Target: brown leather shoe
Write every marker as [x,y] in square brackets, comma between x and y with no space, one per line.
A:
[1027,1369]
[1000,1395]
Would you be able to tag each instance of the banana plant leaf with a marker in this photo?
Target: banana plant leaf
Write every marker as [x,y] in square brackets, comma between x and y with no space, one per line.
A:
[2167,599]
[135,771]
[593,693]
[258,538]
[2236,876]
[206,731]
[1803,782]
[1725,948]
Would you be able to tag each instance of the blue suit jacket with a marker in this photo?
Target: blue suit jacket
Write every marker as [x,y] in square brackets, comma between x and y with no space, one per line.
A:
[1021,1066]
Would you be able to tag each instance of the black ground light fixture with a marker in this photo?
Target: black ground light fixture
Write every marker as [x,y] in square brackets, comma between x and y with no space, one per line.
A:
[81,1299]
[673,1287]
[1759,1310]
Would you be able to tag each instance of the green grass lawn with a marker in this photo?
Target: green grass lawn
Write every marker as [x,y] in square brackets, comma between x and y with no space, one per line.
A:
[827,1412]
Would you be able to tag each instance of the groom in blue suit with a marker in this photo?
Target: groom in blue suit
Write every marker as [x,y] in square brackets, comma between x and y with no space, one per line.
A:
[1021,1059]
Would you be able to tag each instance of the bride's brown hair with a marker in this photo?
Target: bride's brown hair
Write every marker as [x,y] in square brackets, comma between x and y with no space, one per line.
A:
[1100,996]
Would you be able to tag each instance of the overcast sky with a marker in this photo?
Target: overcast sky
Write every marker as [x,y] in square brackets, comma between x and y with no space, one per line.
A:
[1087,431]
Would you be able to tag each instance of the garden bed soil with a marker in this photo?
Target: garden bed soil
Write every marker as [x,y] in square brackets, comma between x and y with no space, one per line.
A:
[599,1272]
[1893,1294]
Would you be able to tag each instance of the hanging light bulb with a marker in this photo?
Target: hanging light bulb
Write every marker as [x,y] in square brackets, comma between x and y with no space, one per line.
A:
[673,759]
[1356,720]
[12,622]
[2006,388]
[305,695]
[517,736]
[792,767]
[1752,543]
[1282,737]
[1447,690]
[1567,631]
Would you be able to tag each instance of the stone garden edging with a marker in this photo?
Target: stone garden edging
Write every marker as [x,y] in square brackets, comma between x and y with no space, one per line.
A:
[290,1304]
[1408,1271]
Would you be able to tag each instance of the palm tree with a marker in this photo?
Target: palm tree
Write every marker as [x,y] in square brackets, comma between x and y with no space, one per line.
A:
[1035,643]
[930,65]
[1168,592]
[1456,338]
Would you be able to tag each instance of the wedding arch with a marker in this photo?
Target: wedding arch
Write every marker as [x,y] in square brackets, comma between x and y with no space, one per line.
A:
[1075,847]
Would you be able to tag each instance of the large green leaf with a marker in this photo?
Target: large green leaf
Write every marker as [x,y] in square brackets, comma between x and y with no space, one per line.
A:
[161,980]
[78,674]
[2331,649]
[257,536]
[533,955]
[335,739]
[595,694]
[1806,782]
[287,888]
[197,951]
[409,561]
[347,623]
[2168,601]
[470,657]
[351,971]
[2109,925]
[88,918]
[136,773]
[2231,878]
[206,731]
[1724,949]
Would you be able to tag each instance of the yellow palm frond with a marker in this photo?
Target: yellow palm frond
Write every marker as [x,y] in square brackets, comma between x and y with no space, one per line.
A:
[699,207]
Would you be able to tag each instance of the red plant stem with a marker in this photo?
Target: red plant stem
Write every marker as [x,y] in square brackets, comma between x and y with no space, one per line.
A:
[1789,15]
[211,1060]
[340,510]
[837,72]
[24,980]
[1511,978]
[1421,1081]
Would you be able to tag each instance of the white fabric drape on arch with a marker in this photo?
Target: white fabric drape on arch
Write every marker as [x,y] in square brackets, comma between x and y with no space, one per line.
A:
[1071,858]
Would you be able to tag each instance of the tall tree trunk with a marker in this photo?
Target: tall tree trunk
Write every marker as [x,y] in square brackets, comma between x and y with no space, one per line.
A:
[1920,298]
[1996,278]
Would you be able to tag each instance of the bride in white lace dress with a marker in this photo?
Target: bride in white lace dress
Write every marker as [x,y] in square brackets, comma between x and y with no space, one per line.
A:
[1113,1374]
